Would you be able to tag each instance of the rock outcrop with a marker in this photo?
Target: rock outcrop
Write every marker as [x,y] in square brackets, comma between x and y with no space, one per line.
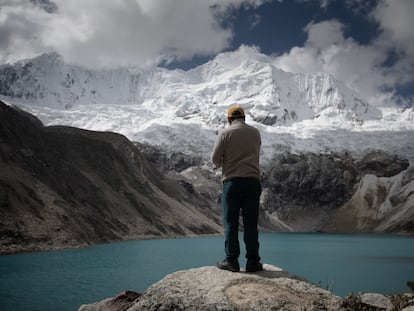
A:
[379,302]
[313,192]
[379,204]
[208,288]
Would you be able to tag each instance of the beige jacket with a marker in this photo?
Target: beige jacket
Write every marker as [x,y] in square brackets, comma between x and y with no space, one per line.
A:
[237,151]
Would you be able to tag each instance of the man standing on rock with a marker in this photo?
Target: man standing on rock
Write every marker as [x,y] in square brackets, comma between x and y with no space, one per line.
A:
[236,151]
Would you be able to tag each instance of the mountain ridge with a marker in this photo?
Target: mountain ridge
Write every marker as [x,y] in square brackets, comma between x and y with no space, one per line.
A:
[65,187]
[48,81]
[176,109]
[173,116]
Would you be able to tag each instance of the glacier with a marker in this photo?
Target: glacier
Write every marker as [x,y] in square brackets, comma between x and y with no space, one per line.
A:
[182,110]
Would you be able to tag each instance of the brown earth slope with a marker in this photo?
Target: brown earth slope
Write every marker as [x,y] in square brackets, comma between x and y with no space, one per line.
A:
[65,187]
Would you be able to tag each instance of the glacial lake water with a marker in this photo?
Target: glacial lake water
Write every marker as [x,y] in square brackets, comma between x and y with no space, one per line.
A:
[63,280]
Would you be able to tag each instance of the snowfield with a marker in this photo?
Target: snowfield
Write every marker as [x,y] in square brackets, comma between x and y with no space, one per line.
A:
[182,110]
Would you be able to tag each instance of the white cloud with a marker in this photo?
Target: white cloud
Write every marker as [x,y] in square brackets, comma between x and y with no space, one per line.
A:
[116,32]
[20,26]
[365,68]
[324,34]
[395,18]
[327,50]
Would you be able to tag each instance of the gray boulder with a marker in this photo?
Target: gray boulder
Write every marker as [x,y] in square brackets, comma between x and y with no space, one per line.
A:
[208,288]
[121,302]
[376,300]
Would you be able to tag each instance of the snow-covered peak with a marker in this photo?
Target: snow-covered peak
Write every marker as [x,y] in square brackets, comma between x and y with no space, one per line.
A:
[245,77]
[178,109]
[231,60]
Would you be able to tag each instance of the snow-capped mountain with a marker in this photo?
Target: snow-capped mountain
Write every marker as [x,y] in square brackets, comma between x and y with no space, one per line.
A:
[274,96]
[179,112]
[182,109]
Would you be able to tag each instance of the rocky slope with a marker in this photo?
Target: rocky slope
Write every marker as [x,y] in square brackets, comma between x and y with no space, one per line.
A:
[380,204]
[66,187]
[337,192]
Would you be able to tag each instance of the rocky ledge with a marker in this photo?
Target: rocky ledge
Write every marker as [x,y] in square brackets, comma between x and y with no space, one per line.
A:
[208,289]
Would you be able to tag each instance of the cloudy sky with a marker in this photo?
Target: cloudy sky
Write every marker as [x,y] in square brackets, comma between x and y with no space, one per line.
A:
[365,43]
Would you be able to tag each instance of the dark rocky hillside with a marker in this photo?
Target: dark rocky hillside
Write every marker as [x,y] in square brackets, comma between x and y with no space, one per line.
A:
[66,187]
[336,192]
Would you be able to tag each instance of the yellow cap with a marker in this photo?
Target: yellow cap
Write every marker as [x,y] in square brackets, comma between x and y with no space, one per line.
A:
[235,112]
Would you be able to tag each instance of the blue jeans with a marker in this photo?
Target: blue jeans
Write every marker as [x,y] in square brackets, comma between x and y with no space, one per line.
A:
[241,194]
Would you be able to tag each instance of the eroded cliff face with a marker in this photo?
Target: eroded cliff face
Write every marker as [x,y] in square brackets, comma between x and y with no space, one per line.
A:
[379,204]
[337,192]
[66,187]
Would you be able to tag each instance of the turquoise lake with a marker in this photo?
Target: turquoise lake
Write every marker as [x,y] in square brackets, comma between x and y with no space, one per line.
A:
[63,280]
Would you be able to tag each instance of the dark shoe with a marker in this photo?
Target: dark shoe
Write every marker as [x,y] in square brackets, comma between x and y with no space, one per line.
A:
[229,266]
[254,266]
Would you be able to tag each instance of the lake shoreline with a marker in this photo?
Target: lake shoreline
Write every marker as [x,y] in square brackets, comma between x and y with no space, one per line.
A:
[16,249]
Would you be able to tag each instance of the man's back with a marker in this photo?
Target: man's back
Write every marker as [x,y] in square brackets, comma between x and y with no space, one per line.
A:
[237,151]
